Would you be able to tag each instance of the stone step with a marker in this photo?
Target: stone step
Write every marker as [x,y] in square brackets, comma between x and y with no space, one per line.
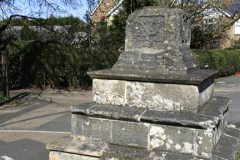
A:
[208,117]
[153,96]
[73,148]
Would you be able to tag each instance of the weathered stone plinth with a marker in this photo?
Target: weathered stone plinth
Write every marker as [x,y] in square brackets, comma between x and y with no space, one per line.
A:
[179,93]
[154,104]
[153,130]
[157,41]
[75,149]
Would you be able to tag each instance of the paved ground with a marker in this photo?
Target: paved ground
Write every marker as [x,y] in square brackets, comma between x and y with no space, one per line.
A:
[44,116]
[230,87]
[40,118]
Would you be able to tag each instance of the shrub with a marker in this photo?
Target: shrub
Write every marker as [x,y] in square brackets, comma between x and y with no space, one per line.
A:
[40,63]
[227,61]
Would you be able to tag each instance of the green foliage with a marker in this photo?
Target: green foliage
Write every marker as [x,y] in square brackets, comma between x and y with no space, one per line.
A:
[238,42]
[227,61]
[238,155]
[117,30]
[28,34]
[2,99]
[49,21]
[38,63]
[196,36]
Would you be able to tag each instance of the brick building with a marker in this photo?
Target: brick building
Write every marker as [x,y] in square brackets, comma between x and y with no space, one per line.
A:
[232,34]
[105,9]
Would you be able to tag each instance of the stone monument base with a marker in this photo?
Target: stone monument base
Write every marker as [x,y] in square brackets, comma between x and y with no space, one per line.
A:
[155,103]
[138,133]
[76,149]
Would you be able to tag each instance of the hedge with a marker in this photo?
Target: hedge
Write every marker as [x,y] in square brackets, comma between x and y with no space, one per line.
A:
[40,63]
[227,61]
[43,63]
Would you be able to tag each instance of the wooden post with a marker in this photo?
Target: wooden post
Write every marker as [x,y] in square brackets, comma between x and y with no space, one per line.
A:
[7,76]
[5,71]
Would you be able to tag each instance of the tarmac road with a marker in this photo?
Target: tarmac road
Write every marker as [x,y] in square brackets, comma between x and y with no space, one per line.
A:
[41,117]
[44,116]
[230,87]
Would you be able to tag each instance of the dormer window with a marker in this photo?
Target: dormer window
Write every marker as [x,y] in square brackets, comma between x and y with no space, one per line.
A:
[209,21]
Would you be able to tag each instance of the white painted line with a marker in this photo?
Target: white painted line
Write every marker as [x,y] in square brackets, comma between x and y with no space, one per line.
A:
[33,131]
[7,158]
[220,82]
[232,85]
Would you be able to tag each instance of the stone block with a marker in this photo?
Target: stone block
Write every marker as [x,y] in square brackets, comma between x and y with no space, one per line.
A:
[159,137]
[177,156]
[55,155]
[130,134]
[226,148]
[77,146]
[204,120]
[96,129]
[179,119]
[153,96]
[116,152]
[216,107]
[194,78]
[207,140]
[169,138]
[108,111]
[110,131]
[73,148]
[109,92]
[233,132]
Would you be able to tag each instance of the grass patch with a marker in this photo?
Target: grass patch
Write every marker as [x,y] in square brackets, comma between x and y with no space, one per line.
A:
[238,155]
[2,99]
[9,101]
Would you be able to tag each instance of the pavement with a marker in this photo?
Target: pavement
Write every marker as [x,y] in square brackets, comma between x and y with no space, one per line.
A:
[230,87]
[42,116]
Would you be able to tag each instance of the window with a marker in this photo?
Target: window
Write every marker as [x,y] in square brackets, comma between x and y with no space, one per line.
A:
[210,25]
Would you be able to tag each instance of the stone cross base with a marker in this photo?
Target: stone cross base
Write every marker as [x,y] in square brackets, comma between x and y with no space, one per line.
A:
[102,132]
[77,149]
[155,103]
[178,93]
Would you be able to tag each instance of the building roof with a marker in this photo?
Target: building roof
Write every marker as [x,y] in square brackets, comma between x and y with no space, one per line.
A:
[234,8]
[16,30]
[98,4]
[115,9]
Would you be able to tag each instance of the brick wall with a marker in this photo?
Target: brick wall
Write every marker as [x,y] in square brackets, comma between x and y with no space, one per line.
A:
[102,10]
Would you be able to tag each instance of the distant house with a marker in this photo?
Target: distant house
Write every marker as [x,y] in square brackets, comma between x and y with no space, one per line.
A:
[105,9]
[231,35]
[235,8]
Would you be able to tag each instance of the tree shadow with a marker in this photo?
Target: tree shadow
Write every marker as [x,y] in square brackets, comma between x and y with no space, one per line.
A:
[17,97]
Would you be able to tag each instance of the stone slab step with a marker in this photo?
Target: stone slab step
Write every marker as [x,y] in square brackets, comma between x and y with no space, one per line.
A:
[208,117]
[196,77]
[227,146]
[70,148]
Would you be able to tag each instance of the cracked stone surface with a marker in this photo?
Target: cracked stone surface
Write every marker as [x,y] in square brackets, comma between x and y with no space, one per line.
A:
[158,41]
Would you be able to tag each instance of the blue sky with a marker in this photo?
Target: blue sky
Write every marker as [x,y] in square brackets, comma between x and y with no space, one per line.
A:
[77,8]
